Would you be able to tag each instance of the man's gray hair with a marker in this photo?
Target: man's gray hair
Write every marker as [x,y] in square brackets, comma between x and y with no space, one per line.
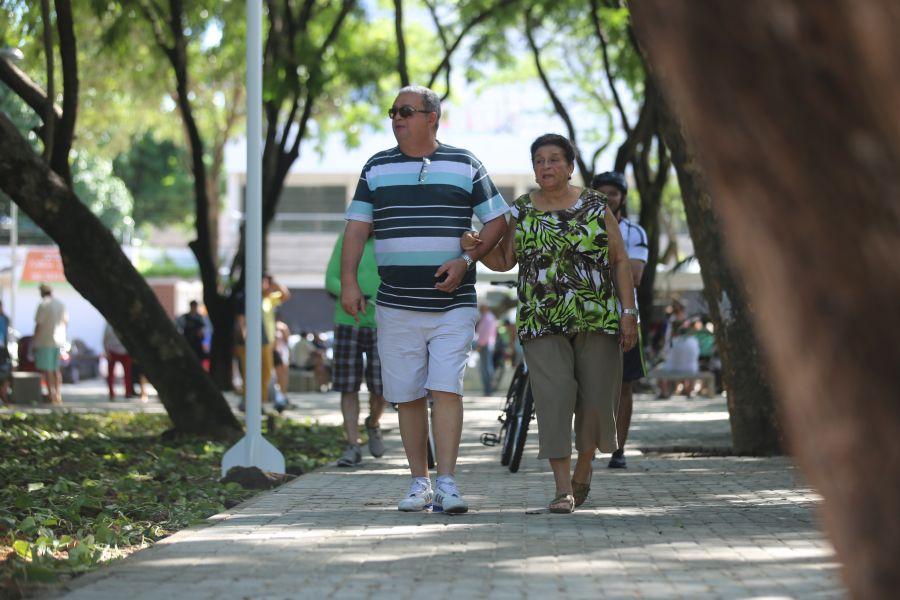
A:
[430,101]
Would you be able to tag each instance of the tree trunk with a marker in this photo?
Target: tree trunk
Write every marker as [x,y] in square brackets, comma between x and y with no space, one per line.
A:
[221,310]
[754,423]
[636,151]
[793,106]
[96,266]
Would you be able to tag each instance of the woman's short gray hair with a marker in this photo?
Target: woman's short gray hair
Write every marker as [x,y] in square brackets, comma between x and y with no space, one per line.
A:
[430,100]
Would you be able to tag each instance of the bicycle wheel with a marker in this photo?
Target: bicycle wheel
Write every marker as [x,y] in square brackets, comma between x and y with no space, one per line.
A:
[513,400]
[523,418]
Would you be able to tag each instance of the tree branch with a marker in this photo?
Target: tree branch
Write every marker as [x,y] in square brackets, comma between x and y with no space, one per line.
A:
[604,47]
[25,88]
[346,7]
[402,67]
[445,44]
[609,139]
[311,86]
[478,19]
[47,114]
[306,13]
[640,131]
[153,14]
[177,54]
[304,121]
[65,132]
[557,103]
[442,33]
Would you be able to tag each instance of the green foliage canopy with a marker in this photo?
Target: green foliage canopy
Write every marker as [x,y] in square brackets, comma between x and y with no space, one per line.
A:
[154,172]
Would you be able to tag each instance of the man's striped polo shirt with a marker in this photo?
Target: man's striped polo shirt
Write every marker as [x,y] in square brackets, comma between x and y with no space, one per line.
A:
[419,208]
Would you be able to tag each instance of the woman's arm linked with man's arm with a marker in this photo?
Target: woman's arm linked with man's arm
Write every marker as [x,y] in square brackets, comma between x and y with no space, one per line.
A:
[500,256]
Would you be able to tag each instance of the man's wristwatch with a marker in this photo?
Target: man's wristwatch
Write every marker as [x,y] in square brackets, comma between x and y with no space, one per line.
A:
[469,260]
[630,311]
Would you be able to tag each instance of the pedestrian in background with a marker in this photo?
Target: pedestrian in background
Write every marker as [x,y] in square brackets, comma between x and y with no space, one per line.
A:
[192,326]
[614,186]
[486,341]
[116,353]
[356,353]
[50,322]
[5,358]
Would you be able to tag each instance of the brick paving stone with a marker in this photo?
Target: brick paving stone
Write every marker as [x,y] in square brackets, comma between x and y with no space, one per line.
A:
[671,525]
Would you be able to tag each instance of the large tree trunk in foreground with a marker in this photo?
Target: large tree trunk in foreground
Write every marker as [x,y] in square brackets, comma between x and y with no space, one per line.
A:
[751,405]
[793,107]
[96,266]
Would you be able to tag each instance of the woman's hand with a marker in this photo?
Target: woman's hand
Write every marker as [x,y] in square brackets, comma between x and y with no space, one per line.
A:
[469,241]
[627,332]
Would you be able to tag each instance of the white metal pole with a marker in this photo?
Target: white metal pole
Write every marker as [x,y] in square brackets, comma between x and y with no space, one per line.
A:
[253,223]
[253,450]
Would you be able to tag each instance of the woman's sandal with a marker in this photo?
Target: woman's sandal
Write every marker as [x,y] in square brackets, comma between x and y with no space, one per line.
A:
[580,491]
[562,504]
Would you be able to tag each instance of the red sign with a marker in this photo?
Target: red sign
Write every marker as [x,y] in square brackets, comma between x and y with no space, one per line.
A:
[43,266]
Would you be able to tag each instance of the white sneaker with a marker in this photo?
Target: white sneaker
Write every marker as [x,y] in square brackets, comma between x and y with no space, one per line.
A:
[448,499]
[419,497]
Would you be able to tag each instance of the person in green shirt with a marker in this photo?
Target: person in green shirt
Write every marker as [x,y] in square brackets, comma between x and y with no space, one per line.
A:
[352,341]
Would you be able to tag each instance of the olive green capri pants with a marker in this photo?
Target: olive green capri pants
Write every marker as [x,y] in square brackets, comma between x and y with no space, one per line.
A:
[578,374]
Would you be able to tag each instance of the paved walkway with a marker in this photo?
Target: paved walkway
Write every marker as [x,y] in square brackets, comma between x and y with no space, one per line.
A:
[670,526]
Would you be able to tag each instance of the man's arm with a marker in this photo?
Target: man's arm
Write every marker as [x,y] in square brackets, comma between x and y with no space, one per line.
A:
[638,252]
[637,270]
[355,236]
[37,320]
[282,291]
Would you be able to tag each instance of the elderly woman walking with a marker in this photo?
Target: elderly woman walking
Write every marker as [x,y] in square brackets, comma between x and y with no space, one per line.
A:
[571,257]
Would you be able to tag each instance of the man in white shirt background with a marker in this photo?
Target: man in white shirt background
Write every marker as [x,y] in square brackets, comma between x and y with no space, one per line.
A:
[614,185]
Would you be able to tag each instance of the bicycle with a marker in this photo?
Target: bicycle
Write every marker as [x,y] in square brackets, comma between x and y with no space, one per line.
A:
[515,416]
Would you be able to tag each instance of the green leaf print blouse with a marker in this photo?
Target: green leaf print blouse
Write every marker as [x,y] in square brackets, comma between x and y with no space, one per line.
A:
[565,285]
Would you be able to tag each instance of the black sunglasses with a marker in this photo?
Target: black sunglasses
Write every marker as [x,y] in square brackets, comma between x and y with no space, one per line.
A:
[405,111]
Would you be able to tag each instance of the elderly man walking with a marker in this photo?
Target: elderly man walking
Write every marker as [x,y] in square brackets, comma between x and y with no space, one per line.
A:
[419,198]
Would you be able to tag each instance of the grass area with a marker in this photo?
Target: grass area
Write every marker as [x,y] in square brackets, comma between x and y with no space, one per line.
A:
[78,490]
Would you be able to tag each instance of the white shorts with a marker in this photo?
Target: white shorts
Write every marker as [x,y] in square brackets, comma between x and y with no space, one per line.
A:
[423,351]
